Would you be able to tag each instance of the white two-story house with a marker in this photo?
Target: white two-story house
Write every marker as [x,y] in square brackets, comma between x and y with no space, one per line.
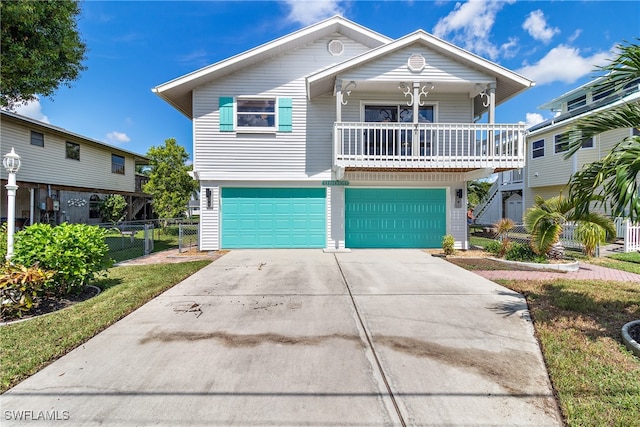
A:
[338,137]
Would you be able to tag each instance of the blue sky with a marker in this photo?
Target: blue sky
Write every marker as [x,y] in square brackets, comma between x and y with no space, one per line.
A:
[135,46]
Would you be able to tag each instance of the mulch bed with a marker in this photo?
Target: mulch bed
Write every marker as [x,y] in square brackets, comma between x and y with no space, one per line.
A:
[49,305]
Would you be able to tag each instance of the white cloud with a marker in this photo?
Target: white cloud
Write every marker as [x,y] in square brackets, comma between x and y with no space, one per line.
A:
[574,36]
[116,137]
[469,26]
[33,110]
[310,12]
[563,64]
[533,119]
[536,26]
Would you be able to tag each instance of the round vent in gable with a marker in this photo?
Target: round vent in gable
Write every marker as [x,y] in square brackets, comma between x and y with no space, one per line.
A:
[416,62]
[335,47]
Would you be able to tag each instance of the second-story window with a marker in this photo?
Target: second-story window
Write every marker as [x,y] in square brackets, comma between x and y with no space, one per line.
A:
[256,113]
[117,164]
[72,150]
[37,138]
[537,149]
[587,143]
[560,143]
[576,103]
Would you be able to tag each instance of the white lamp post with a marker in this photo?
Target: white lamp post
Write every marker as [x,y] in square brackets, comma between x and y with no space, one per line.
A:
[11,163]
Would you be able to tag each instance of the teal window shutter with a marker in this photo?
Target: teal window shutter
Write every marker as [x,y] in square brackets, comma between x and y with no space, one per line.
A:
[226,114]
[285,115]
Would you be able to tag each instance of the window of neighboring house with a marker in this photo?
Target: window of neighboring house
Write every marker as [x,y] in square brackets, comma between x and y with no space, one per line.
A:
[601,94]
[635,131]
[37,138]
[560,143]
[537,149]
[577,103]
[117,164]
[94,206]
[588,143]
[72,150]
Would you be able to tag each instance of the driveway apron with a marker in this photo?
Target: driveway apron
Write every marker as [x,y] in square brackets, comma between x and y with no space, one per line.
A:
[300,337]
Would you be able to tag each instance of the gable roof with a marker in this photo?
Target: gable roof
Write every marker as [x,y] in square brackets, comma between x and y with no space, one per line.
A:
[178,92]
[71,136]
[508,85]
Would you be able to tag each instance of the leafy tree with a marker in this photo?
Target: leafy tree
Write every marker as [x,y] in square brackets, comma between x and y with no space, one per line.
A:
[547,218]
[477,191]
[613,180]
[113,208]
[169,181]
[41,48]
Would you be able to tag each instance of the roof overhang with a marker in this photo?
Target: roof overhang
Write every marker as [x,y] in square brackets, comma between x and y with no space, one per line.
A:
[508,83]
[140,159]
[178,92]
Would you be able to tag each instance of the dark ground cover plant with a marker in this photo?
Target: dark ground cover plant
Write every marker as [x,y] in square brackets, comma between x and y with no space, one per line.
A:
[20,287]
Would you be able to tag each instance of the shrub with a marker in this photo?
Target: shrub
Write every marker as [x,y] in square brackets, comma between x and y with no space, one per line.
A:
[19,287]
[590,235]
[76,252]
[113,208]
[447,244]
[520,252]
[493,247]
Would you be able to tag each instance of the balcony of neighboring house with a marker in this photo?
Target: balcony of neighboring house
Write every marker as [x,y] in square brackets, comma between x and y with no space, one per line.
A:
[512,180]
[429,146]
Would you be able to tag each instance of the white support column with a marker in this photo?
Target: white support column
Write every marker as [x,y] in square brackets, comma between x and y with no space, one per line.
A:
[335,220]
[338,91]
[491,91]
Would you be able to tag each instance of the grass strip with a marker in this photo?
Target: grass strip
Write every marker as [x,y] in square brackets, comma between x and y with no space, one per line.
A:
[29,346]
[578,324]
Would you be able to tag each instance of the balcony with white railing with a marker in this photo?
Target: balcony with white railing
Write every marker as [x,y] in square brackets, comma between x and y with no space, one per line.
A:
[432,146]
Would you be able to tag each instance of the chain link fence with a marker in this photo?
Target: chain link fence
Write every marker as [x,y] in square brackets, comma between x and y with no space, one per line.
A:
[133,239]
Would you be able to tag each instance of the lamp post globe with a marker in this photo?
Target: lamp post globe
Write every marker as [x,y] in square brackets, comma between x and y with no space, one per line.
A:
[11,162]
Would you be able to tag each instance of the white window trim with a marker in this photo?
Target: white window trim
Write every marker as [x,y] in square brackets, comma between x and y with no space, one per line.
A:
[256,130]
[555,146]
[543,149]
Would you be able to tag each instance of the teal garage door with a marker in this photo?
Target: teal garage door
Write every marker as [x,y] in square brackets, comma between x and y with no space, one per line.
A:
[395,218]
[273,218]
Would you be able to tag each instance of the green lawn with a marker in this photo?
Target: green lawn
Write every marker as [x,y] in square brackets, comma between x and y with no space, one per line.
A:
[578,324]
[124,247]
[29,346]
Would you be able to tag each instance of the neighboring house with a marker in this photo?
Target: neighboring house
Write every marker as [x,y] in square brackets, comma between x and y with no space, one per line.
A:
[338,137]
[548,172]
[504,200]
[64,176]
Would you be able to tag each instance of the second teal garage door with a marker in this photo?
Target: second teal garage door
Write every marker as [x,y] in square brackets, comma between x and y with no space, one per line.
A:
[273,218]
[395,218]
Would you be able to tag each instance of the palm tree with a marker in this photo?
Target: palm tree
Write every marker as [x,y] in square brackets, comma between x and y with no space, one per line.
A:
[613,180]
[546,220]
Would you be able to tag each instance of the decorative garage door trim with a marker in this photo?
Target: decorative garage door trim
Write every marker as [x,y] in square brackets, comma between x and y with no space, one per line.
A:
[273,218]
[395,217]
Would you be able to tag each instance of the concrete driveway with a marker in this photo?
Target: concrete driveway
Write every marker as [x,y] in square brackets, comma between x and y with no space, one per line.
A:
[301,337]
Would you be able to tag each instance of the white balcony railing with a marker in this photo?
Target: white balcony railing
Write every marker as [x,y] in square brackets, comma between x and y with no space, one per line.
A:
[429,145]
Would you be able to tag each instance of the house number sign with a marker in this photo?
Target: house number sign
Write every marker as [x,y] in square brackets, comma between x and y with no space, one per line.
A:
[335,183]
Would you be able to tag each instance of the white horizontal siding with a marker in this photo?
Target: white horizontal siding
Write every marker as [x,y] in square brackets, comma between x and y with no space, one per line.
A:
[292,155]
[393,68]
[209,218]
[48,165]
